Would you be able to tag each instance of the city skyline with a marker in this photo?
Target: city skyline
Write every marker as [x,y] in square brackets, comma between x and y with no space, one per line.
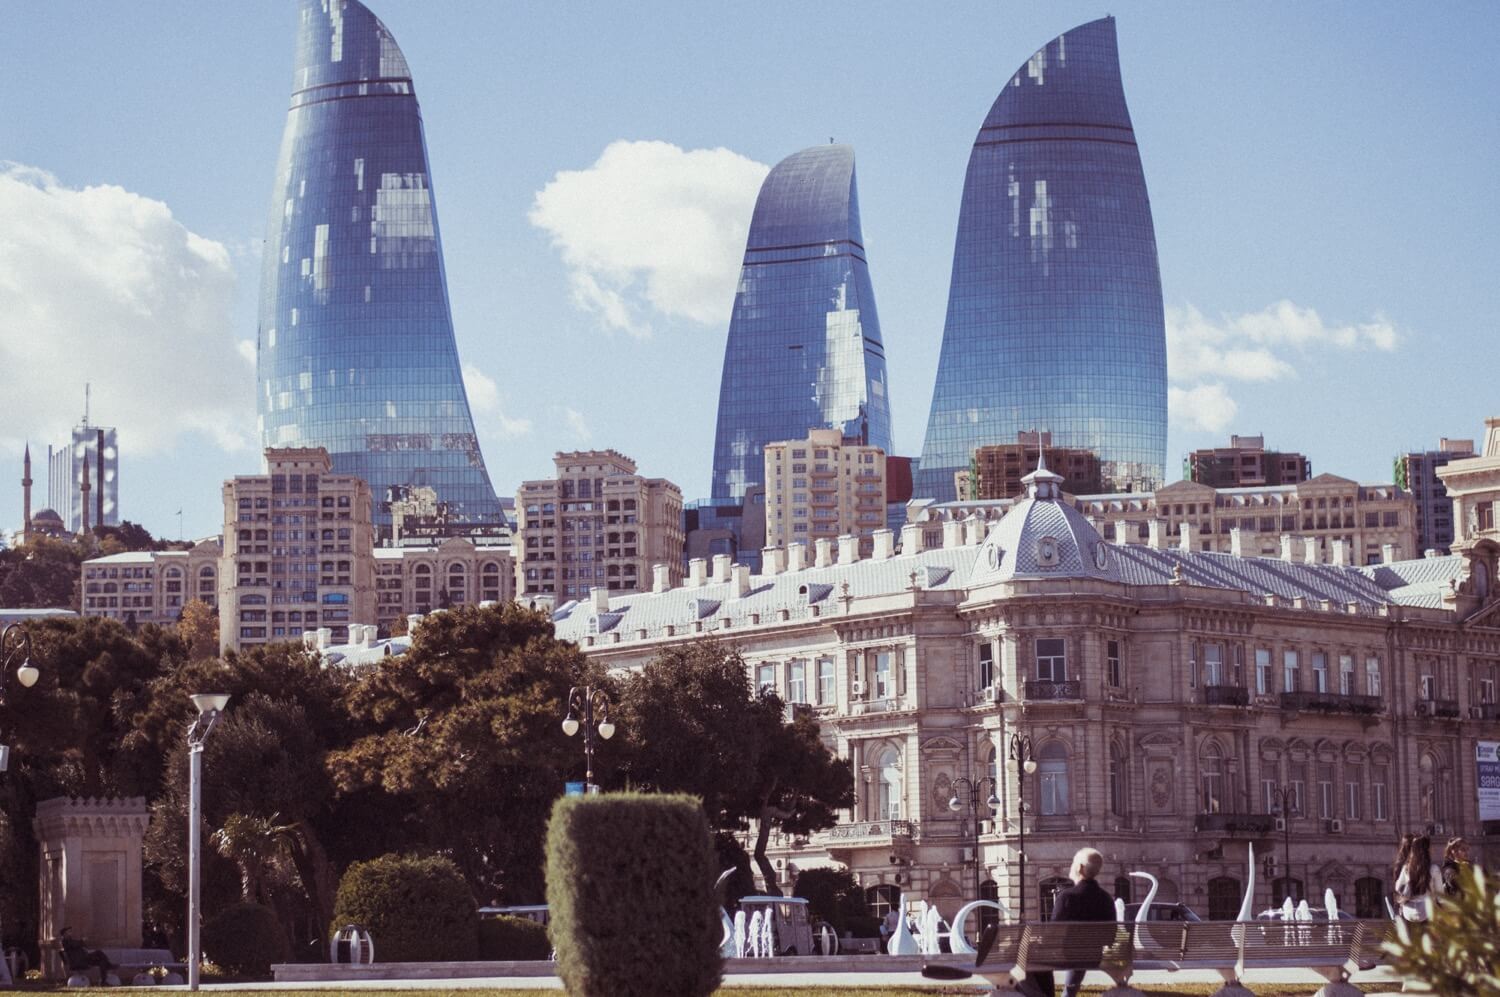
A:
[1326,268]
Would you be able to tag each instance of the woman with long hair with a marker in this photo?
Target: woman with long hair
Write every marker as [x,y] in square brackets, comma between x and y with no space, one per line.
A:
[1403,852]
[1417,879]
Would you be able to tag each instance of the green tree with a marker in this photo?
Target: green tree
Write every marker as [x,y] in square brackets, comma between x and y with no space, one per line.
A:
[130,536]
[694,724]
[41,574]
[198,629]
[463,737]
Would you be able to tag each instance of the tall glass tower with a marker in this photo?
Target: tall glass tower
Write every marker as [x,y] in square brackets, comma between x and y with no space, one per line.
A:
[355,349]
[804,349]
[1055,308]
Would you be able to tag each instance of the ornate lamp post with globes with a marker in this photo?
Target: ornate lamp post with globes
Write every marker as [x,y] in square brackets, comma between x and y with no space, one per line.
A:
[15,640]
[956,802]
[592,704]
[1020,753]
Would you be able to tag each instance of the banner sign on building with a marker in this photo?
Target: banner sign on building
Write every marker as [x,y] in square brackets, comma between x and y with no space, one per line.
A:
[1487,765]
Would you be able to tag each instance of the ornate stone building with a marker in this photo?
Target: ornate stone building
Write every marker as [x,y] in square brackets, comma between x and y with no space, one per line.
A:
[151,586]
[1179,704]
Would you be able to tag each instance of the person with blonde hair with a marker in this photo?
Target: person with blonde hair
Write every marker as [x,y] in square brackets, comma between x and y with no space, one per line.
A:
[1085,900]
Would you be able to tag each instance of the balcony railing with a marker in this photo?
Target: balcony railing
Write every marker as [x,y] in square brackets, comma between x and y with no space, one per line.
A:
[865,707]
[1437,708]
[1054,690]
[1487,711]
[869,831]
[1253,824]
[1330,702]
[1226,695]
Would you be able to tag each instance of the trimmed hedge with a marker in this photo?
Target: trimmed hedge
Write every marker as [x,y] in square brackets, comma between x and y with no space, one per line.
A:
[630,880]
[507,938]
[245,940]
[419,909]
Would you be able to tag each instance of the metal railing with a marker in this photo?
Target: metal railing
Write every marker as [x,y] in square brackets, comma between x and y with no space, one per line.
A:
[1226,695]
[1330,702]
[1036,689]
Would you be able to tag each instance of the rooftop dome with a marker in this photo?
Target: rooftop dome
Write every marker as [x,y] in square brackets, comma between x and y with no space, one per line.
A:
[47,516]
[1042,536]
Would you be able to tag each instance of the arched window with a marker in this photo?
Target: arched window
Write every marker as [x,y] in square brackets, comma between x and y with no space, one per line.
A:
[1369,895]
[1049,889]
[1119,788]
[888,794]
[882,899]
[1211,779]
[1225,894]
[423,573]
[1052,779]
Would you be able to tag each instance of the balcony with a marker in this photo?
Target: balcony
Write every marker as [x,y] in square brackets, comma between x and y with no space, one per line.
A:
[1485,711]
[1250,825]
[866,707]
[1330,702]
[1437,708]
[1054,690]
[867,832]
[1226,695]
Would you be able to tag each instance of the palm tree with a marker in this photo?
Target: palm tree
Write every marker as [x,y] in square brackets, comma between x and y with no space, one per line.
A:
[258,847]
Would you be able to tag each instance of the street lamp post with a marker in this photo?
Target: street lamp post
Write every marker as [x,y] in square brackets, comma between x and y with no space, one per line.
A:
[1285,799]
[1020,753]
[15,640]
[589,701]
[955,803]
[209,705]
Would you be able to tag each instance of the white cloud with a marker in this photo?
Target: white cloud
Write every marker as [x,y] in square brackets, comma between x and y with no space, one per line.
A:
[577,424]
[1275,343]
[652,228]
[485,403]
[103,285]
[1206,407]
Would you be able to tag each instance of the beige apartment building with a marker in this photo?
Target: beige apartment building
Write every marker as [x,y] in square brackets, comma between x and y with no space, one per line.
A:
[597,524]
[1315,516]
[298,551]
[151,586]
[822,487]
[1171,697]
[417,580]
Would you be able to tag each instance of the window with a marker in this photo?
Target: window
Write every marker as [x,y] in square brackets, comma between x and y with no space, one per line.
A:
[1052,779]
[1118,788]
[1224,898]
[888,790]
[1325,790]
[1112,664]
[1211,779]
[796,681]
[1428,687]
[1049,888]
[766,678]
[1346,675]
[1486,691]
[1268,794]
[1372,676]
[1320,671]
[1289,671]
[1262,671]
[1354,795]
[1213,664]
[986,665]
[826,692]
[1377,792]
[882,899]
[1369,894]
[1051,663]
[883,687]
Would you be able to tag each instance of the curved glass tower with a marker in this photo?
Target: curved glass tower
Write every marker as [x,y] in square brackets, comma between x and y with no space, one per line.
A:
[804,349]
[355,349]
[1055,308]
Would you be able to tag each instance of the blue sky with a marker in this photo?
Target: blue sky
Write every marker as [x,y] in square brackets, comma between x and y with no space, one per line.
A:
[1323,180]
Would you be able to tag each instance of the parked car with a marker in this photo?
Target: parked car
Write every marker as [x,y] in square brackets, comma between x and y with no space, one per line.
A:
[1163,911]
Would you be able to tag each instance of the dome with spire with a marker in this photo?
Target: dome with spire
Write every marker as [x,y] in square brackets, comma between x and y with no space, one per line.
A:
[1042,536]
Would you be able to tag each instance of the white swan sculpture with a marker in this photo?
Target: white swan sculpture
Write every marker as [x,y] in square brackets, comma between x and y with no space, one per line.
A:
[902,942]
[957,941]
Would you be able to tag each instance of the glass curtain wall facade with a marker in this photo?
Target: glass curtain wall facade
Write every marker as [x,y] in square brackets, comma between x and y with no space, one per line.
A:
[355,350]
[1055,308]
[804,349]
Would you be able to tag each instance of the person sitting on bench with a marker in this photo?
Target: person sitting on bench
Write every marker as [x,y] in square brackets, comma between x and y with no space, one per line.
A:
[79,958]
[1086,900]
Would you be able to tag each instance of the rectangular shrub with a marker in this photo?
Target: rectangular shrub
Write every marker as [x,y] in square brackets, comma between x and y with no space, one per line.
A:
[504,939]
[630,881]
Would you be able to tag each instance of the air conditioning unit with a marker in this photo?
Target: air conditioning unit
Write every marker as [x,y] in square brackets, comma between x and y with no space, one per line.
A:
[1335,826]
[1281,823]
[1475,712]
[1424,708]
[986,827]
[858,689]
[991,694]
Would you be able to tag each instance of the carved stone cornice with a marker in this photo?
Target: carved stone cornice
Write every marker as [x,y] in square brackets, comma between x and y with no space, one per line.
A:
[91,817]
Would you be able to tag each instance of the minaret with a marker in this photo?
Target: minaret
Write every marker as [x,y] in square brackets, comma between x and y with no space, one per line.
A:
[83,494]
[26,496]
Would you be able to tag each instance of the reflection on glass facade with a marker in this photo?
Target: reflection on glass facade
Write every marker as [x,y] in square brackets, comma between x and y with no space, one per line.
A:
[1055,308]
[804,349]
[356,349]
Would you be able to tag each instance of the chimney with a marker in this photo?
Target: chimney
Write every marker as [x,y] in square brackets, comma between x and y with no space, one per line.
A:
[953,534]
[1341,553]
[1288,547]
[697,573]
[1123,530]
[661,577]
[366,635]
[885,542]
[309,640]
[848,548]
[796,557]
[325,637]
[1312,550]
[739,581]
[1185,537]
[973,531]
[1430,553]
[823,552]
[772,560]
[1236,545]
[1153,534]
[911,538]
[599,600]
[721,567]
[412,622]
[1387,553]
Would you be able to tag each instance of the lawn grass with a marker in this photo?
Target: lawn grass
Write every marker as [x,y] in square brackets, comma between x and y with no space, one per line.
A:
[1170,990]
